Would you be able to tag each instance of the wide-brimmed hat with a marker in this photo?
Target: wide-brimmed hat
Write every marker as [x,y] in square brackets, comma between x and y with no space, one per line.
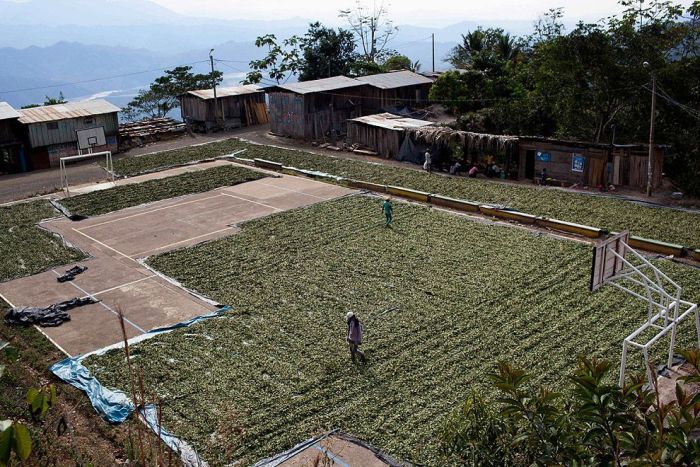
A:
[349,315]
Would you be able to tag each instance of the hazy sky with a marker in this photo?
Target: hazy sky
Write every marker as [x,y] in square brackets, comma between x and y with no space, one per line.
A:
[415,12]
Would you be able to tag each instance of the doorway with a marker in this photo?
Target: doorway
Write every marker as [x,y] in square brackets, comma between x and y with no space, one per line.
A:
[530,164]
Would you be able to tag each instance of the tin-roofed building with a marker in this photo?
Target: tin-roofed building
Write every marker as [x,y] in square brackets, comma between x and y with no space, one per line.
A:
[315,110]
[382,133]
[396,89]
[51,130]
[238,106]
[11,149]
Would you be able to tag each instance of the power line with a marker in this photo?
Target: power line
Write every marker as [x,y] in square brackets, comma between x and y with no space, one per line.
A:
[106,78]
[270,82]
[667,97]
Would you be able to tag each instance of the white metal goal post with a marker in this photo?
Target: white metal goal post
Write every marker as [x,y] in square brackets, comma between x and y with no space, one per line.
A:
[617,264]
[64,172]
[87,140]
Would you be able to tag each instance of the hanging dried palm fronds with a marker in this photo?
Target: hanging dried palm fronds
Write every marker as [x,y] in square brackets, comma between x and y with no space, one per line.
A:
[483,142]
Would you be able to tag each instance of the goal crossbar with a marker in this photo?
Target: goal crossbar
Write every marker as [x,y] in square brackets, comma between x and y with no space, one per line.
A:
[64,172]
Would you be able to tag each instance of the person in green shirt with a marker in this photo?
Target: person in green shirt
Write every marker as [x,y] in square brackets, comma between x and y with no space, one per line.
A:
[388,211]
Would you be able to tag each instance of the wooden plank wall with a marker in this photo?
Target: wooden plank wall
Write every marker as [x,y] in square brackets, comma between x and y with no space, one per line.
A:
[10,131]
[385,142]
[287,114]
[41,135]
[331,111]
[377,100]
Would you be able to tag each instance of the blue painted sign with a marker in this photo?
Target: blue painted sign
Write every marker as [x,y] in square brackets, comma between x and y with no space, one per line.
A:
[543,156]
[578,162]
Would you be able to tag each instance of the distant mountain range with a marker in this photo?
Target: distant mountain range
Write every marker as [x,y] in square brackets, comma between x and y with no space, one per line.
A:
[51,43]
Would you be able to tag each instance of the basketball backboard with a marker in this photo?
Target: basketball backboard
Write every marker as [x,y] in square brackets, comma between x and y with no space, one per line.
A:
[91,138]
[605,263]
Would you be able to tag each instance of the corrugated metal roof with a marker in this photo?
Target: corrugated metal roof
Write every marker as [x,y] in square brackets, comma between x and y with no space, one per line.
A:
[321,85]
[392,122]
[50,113]
[7,112]
[396,79]
[207,94]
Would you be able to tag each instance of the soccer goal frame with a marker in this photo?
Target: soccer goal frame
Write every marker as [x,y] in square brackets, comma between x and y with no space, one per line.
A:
[64,173]
[617,264]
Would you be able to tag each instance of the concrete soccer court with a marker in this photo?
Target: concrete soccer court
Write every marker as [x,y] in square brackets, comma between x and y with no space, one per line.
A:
[117,241]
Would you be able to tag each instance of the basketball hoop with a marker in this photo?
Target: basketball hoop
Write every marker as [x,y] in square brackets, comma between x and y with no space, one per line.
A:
[88,139]
[617,264]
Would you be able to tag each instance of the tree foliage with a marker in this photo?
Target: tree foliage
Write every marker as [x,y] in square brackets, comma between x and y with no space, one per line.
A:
[321,53]
[594,423]
[589,83]
[161,96]
[48,101]
[282,61]
[327,52]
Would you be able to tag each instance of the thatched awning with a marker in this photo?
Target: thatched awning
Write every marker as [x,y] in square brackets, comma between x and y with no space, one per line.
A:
[471,141]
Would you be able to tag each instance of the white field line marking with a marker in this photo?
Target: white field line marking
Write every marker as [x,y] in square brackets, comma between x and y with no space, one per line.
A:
[40,330]
[88,294]
[254,202]
[181,241]
[103,244]
[124,285]
[8,302]
[148,212]
[294,191]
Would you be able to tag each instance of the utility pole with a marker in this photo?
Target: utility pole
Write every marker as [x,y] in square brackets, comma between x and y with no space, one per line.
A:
[213,85]
[433,53]
[650,162]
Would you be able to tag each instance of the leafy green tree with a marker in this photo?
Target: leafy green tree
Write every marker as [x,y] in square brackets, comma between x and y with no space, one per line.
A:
[55,100]
[463,91]
[161,96]
[283,60]
[48,101]
[322,52]
[326,52]
[400,62]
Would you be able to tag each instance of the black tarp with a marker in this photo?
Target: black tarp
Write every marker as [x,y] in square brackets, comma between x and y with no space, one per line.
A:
[50,316]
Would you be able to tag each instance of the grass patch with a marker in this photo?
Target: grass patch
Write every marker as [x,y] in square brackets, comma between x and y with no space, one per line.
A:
[131,166]
[26,249]
[663,224]
[277,370]
[124,196]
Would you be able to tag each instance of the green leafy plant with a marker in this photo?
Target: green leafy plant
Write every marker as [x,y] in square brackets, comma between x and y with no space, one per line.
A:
[40,400]
[597,423]
[120,197]
[26,249]
[14,438]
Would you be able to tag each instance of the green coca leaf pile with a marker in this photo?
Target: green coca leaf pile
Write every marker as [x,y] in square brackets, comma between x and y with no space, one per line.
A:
[442,298]
[26,249]
[663,224]
[124,196]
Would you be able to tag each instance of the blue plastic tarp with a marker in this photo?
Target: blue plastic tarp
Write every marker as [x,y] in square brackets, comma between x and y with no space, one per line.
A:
[113,405]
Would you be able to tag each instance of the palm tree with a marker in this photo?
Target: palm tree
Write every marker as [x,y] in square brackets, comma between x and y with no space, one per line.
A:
[506,48]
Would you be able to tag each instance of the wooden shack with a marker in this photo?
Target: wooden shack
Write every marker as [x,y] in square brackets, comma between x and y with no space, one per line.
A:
[11,148]
[315,110]
[382,133]
[234,107]
[396,89]
[51,129]
[588,164]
